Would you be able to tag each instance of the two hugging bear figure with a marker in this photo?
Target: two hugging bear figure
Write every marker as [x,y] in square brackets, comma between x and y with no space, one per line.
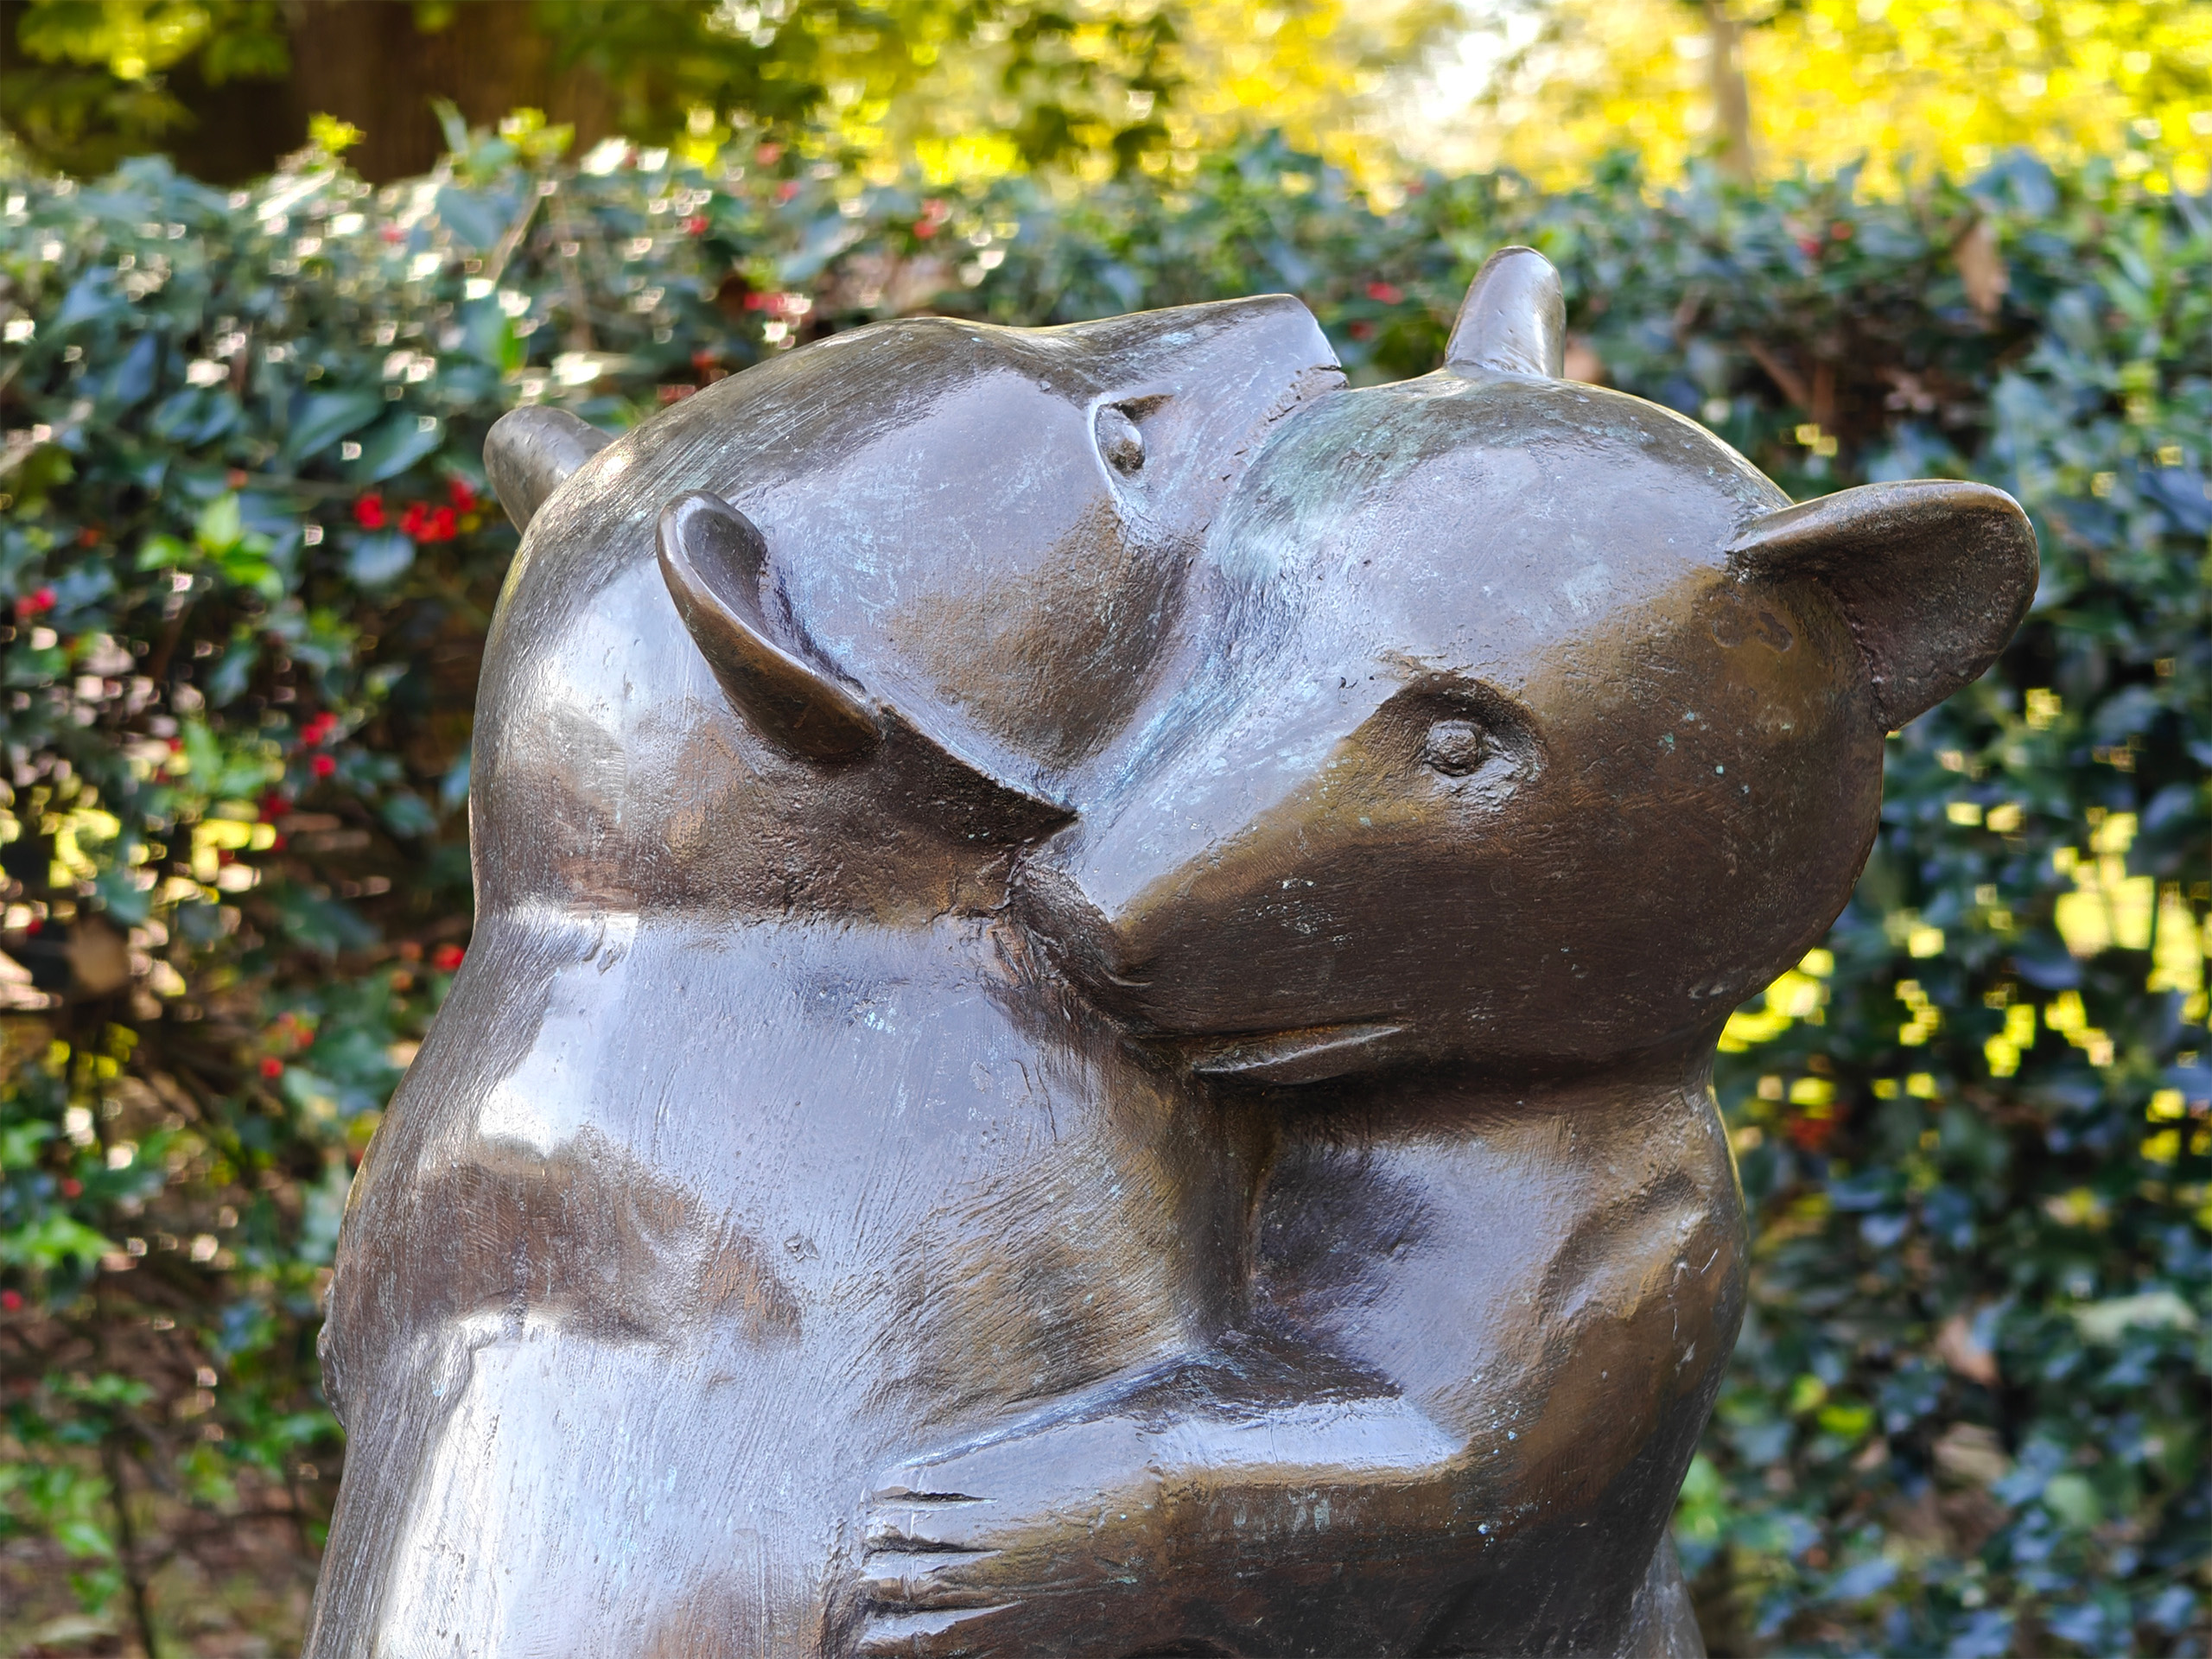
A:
[1096,971]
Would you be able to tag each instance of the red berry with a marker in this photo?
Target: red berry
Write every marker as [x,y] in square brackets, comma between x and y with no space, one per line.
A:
[446,957]
[1385,293]
[38,599]
[323,764]
[271,1066]
[441,526]
[787,189]
[463,498]
[71,1187]
[368,512]
[11,1301]
[1813,1132]
[697,225]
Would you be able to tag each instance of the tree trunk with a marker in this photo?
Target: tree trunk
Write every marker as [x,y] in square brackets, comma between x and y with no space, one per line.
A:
[1731,95]
[368,61]
[126,1546]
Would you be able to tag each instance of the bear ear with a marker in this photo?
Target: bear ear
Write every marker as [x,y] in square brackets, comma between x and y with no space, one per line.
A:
[1514,319]
[528,452]
[711,557]
[1933,576]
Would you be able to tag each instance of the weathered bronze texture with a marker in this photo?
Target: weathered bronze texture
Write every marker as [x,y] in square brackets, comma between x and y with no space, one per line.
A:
[1096,965]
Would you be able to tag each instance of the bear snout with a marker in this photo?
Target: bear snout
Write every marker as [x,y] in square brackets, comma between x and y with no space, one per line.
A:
[1050,904]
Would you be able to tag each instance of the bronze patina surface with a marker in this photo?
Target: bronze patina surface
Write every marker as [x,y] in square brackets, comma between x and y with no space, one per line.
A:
[1096,963]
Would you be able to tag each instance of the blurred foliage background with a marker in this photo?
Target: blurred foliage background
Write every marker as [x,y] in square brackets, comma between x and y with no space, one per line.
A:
[247,562]
[1903,84]
[974,89]
[970,89]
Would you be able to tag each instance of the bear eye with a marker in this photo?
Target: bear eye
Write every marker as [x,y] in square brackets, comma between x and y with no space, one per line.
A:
[1454,748]
[1119,441]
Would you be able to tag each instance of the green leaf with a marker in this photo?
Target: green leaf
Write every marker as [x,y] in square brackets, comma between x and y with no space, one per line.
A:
[322,925]
[227,683]
[20,1144]
[324,417]
[48,1241]
[247,562]
[379,557]
[196,416]
[406,814]
[476,220]
[131,382]
[161,550]
[325,1212]
[81,1539]
[219,527]
[93,295]
[127,904]
[394,444]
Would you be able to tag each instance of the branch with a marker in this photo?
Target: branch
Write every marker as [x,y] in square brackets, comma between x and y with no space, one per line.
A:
[1792,383]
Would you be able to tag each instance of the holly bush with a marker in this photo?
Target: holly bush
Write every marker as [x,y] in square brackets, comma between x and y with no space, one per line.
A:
[247,560]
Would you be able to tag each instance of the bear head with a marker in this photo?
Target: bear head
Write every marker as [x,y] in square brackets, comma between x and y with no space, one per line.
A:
[1530,725]
[922,565]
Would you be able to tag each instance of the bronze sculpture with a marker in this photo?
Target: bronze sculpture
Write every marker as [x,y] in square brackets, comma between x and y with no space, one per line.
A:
[1096,968]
